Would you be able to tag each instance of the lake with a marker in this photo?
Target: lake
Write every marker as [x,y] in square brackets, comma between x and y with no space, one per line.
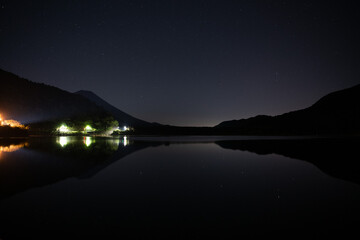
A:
[178,187]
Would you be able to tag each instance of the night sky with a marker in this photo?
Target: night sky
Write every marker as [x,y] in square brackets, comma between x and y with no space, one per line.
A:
[186,62]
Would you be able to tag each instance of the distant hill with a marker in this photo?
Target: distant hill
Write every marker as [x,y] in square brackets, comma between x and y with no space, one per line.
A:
[123,118]
[336,113]
[34,103]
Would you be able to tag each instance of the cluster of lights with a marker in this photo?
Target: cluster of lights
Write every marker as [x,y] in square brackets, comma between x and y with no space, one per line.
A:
[64,140]
[123,129]
[65,129]
[11,123]
[87,129]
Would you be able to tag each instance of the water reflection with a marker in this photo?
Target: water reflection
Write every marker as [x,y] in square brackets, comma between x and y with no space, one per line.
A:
[338,157]
[125,141]
[88,141]
[176,186]
[37,162]
[12,147]
[63,141]
[9,146]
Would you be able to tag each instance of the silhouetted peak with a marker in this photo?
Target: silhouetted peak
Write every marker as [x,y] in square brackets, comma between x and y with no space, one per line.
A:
[122,117]
[342,98]
[31,102]
[86,92]
[335,113]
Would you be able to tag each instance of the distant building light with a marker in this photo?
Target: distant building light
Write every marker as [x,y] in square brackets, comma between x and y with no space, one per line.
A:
[63,129]
[125,128]
[88,128]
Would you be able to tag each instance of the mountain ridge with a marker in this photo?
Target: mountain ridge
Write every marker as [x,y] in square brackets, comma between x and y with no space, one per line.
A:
[123,118]
[335,113]
[43,106]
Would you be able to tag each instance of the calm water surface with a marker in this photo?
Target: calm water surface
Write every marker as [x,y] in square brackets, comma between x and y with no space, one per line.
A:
[183,188]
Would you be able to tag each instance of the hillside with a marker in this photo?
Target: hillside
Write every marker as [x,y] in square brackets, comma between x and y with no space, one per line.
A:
[36,103]
[123,118]
[335,113]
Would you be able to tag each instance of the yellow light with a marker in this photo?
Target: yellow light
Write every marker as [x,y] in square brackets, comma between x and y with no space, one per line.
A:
[63,129]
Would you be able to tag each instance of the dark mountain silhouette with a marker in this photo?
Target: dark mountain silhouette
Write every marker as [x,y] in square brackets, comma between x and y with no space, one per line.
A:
[33,103]
[336,113]
[123,118]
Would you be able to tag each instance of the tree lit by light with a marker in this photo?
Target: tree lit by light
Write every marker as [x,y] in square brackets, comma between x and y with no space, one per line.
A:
[63,141]
[63,129]
[88,128]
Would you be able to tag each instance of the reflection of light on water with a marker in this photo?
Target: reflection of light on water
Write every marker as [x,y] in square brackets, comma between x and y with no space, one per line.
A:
[125,141]
[13,147]
[63,141]
[87,141]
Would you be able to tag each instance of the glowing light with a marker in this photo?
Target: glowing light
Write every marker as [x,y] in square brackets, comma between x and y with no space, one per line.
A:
[11,123]
[87,141]
[13,147]
[63,141]
[125,128]
[88,128]
[63,129]
[125,141]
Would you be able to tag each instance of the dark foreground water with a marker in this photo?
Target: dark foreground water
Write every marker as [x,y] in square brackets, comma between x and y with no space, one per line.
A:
[179,188]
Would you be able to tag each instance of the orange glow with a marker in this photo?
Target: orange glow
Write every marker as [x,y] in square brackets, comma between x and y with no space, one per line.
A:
[12,147]
[11,123]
